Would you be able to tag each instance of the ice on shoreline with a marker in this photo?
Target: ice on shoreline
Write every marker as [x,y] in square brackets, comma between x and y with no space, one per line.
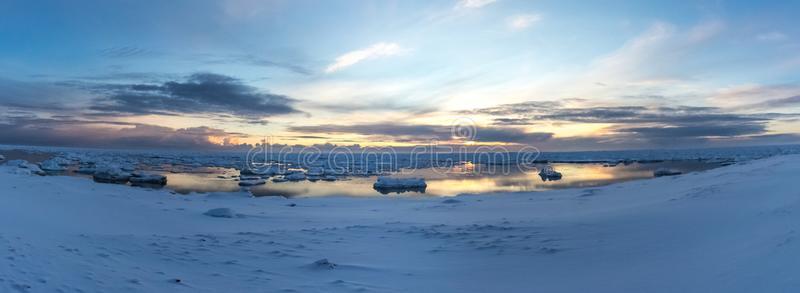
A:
[666,172]
[54,165]
[140,177]
[661,240]
[111,174]
[252,182]
[24,166]
[386,182]
[297,176]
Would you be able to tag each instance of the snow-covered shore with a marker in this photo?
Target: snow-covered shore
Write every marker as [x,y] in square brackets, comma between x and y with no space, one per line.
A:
[732,229]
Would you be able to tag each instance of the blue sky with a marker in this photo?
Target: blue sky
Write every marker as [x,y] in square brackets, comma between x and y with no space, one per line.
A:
[680,73]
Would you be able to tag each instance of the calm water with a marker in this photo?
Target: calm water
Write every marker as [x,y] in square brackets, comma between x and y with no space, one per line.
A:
[457,180]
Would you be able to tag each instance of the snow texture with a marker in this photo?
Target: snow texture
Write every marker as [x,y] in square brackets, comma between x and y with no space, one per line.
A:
[731,229]
[220,213]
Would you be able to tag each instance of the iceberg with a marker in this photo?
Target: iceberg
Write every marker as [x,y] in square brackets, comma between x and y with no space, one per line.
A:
[316,171]
[111,174]
[252,182]
[52,165]
[298,176]
[28,168]
[271,170]
[86,170]
[385,182]
[148,178]
[666,172]
[548,173]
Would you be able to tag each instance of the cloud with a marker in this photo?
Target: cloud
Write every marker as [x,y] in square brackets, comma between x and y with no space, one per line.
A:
[473,3]
[254,60]
[39,95]
[697,130]
[656,126]
[771,36]
[657,56]
[705,31]
[32,130]
[793,101]
[425,133]
[624,136]
[743,96]
[555,111]
[245,9]
[119,76]
[125,52]
[523,21]
[201,93]
[372,52]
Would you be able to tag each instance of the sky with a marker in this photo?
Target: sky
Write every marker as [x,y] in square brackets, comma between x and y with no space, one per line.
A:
[556,75]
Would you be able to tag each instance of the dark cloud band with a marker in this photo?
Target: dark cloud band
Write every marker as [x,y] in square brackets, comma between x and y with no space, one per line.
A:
[199,94]
[424,133]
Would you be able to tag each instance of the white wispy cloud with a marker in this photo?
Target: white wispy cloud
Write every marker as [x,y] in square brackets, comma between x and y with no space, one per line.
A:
[771,36]
[706,30]
[375,51]
[523,21]
[747,94]
[657,55]
[474,3]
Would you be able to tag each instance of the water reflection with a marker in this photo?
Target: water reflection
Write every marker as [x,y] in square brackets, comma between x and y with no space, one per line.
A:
[463,178]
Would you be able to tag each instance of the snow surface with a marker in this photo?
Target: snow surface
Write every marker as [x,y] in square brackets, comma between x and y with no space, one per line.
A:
[731,229]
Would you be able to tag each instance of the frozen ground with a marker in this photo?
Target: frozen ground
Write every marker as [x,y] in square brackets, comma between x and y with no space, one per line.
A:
[732,229]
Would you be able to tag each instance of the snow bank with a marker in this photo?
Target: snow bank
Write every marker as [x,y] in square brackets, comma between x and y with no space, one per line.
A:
[732,229]
[220,213]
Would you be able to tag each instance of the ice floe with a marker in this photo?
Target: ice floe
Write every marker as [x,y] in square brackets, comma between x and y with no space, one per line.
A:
[26,167]
[549,174]
[111,174]
[386,182]
[53,165]
[140,177]
[252,182]
[666,172]
[297,176]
